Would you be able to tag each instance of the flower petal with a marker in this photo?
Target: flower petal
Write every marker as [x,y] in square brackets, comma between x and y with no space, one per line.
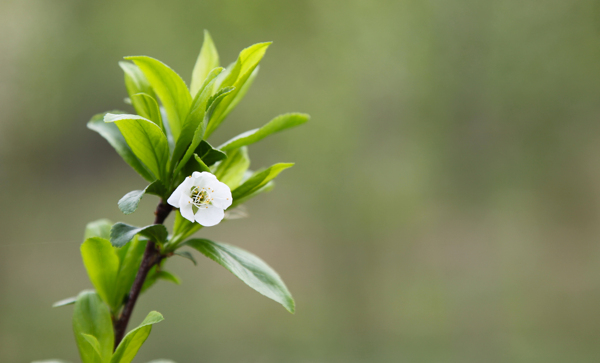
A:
[187,212]
[221,195]
[209,216]
[181,189]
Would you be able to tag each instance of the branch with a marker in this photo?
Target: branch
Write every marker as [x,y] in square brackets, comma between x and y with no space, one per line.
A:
[152,256]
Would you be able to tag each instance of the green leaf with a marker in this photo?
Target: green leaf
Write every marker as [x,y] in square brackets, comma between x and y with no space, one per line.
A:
[91,317]
[102,265]
[258,180]
[182,229]
[166,275]
[265,188]
[208,59]
[277,124]
[146,106]
[100,228]
[231,170]
[211,105]
[122,233]
[114,137]
[133,341]
[135,80]
[209,154]
[170,88]
[186,254]
[237,77]
[240,95]
[130,201]
[130,258]
[195,125]
[65,302]
[203,166]
[94,343]
[146,139]
[248,267]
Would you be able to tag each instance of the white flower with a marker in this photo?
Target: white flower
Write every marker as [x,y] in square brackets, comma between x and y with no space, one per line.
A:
[201,198]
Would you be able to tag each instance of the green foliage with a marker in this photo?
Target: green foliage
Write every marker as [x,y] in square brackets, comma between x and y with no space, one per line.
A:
[100,228]
[249,268]
[237,77]
[92,318]
[165,143]
[148,142]
[257,181]
[231,171]
[133,341]
[102,265]
[277,124]
[111,133]
[65,302]
[208,59]
[170,88]
[122,233]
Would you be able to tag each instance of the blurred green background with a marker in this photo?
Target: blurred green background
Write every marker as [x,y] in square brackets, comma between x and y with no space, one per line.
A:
[444,206]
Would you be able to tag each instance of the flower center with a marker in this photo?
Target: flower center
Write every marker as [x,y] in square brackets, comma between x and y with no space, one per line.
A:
[201,197]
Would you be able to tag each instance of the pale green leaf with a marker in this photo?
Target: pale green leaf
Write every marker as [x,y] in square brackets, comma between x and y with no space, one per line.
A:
[65,302]
[211,105]
[114,137]
[102,265]
[132,342]
[208,59]
[237,77]
[170,88]
[277,124]
[257,181]
[194,124]
[146,139]
[248,267]
[100,228]
[231,170]
[91,316]
[122,233]
[147,107]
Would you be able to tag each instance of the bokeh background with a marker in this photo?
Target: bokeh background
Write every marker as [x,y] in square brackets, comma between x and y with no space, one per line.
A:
[444,206]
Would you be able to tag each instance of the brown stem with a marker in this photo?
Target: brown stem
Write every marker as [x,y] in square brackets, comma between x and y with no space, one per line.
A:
[152,256]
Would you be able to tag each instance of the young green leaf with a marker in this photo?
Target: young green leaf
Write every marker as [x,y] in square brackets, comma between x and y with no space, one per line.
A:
[133,341]
[203,167]
[248,267]
[91,317]
[102,265]
[114,137]
[208,59]
[237,77]
[170,88]
[130,201]
[211,105]
[240,95]
[146,106]
[130,258]
[188,255]
[209,154]
[231,170]
[182,229]
[194,124]
[122,233]
[265,188]
[100,228]
[65,302]
[257,181]
[94,343]
[277,124]
[147,141]
[135,80]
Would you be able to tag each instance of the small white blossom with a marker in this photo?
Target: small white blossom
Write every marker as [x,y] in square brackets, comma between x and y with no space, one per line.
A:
[201,198]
